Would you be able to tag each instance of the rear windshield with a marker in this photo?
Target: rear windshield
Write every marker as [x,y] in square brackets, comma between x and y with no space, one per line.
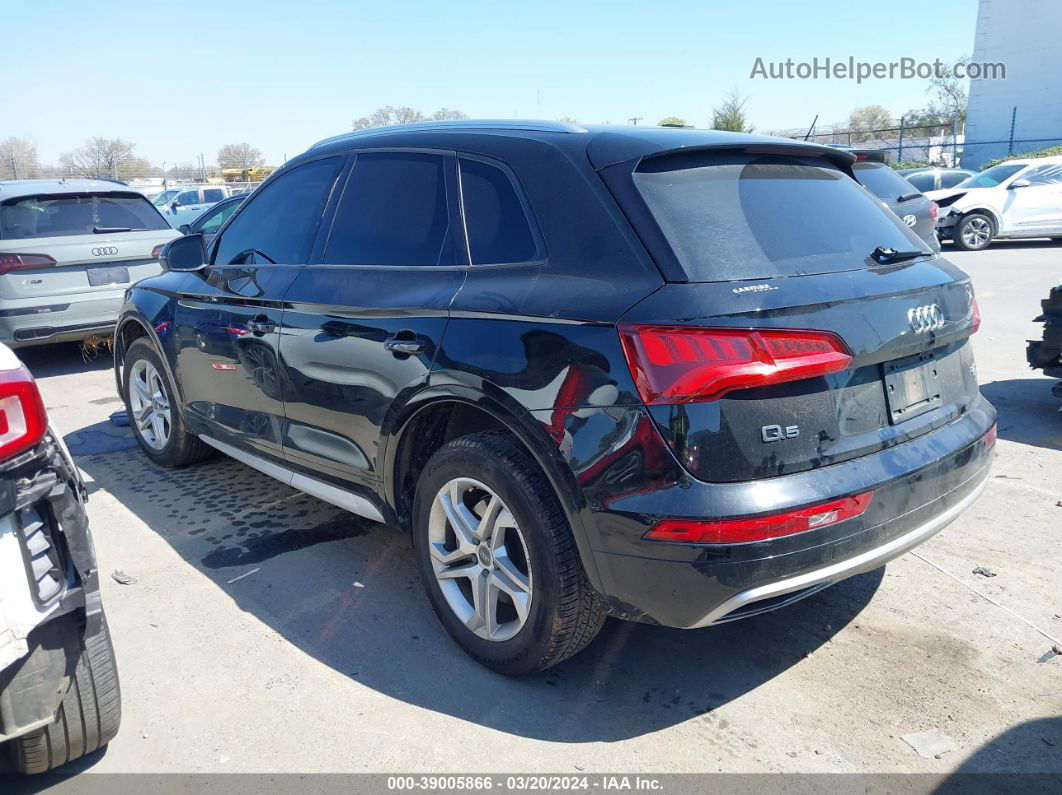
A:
[739,216]
[77,214]
[882,181]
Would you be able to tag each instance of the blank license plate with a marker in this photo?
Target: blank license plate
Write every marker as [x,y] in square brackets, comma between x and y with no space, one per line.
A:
[108,274]
[913,386]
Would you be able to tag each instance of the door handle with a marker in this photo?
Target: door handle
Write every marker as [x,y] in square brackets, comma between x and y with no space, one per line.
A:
[261,325]
[403,346]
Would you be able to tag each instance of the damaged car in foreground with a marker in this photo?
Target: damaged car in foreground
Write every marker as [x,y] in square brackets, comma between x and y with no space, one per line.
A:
[59,696]
[1046,353]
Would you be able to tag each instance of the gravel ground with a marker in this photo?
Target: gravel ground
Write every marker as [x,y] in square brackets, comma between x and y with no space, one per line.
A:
[267,631]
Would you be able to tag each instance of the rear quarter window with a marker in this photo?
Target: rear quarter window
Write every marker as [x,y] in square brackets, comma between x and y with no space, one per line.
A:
[499,230]
[729,216]
[77,214]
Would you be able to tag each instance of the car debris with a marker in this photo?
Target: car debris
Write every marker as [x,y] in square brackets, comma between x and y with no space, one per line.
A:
[122,578]
[1046,354]
[930,744]
[984,572]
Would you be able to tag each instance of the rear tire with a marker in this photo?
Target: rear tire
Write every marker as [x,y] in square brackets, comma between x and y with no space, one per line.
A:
[974,232]
[561,614]
[88,716]
[153,412]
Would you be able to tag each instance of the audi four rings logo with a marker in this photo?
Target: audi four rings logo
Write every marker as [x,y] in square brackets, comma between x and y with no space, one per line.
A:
[104,251]
[925,318]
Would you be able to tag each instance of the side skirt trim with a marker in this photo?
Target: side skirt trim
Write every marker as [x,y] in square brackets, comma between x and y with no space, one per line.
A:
[315,488]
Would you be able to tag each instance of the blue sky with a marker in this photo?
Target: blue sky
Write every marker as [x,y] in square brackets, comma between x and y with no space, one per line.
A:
[182,77]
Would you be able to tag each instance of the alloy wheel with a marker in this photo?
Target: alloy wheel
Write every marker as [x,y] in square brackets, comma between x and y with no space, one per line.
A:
[150,405]
[480,559]
[976,232]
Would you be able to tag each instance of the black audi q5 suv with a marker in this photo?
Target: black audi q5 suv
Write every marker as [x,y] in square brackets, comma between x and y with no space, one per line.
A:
[669,375]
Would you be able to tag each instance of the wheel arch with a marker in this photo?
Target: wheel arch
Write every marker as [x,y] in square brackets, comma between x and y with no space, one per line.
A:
[134,326]
[434,416]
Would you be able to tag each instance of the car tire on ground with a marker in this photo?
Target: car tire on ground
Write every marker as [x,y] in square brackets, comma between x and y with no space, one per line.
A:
[974,232]
[88,716]
[484,492]
[153,415]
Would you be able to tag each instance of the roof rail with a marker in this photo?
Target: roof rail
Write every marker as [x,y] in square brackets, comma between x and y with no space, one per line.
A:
[528,125]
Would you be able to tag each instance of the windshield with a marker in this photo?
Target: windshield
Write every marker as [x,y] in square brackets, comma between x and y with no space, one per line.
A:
[165,197]
[738,216]
[882,181]
[991,177]
[77,214]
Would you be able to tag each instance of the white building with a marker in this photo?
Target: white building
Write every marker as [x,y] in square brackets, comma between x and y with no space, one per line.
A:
[1026,35]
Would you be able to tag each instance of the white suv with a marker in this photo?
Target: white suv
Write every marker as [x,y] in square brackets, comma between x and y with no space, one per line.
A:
[1018,198]
[184,204]
[68,250]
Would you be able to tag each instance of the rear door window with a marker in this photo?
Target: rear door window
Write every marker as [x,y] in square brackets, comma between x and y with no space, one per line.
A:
[739,216]
[77,214]
[499,230]
[922,182]
[394,211]
[279,222]
[213,194]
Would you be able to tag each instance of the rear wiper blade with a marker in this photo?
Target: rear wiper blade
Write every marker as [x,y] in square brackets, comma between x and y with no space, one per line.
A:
[906,197]
[106,230]
[884,255]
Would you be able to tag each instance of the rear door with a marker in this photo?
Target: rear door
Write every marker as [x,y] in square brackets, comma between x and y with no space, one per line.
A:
[779,343]
[228,315]
[365,319]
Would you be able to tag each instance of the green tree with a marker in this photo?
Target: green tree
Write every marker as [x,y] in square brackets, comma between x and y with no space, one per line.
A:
[389,114]
[866,120]
[731,114]
[672,121]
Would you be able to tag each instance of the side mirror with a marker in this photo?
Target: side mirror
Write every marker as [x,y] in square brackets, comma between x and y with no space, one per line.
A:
[186,253]
[173,207]
[184,229]
[1019,183]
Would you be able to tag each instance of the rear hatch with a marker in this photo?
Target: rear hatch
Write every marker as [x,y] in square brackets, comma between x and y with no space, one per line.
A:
[63,244]
[780,341]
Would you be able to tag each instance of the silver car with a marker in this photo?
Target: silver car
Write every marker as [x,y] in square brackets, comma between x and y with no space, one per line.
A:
[68,250]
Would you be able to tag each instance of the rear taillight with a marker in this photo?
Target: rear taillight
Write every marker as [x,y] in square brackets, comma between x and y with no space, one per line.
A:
[990,437]
[157,251]
[19,262]
[762,528]
[23,420]
[678,364]
[934,211]
[975,316]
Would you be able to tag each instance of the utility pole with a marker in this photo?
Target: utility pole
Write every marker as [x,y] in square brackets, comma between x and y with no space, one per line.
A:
[635,119]
[14,166]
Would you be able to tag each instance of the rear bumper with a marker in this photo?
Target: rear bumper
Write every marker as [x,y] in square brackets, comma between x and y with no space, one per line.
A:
[58,318]
[919,487]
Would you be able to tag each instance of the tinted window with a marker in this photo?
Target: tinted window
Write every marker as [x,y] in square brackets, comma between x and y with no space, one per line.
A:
[213,194]
[949,179]
[881,180]
[739,216]
[80,214]
[922,182]
[991,177]
[280,221]
[1045,175]
[393,212]
[497,226]
[188,197]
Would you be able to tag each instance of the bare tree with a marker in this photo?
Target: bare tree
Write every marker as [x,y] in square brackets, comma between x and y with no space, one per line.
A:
[240,156]
[865,120]
[105,157]
[18,159]
[731,114]
[389,114]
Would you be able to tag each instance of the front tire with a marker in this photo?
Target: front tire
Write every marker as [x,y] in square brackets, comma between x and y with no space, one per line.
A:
[974,232]
[153,413]
[88,716]
[498,559]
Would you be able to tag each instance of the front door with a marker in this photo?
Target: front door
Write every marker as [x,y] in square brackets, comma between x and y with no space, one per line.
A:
[363,323]
[229,314]
[1037,207]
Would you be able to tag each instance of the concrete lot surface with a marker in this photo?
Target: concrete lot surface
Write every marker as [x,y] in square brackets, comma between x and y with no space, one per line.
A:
[327,656]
